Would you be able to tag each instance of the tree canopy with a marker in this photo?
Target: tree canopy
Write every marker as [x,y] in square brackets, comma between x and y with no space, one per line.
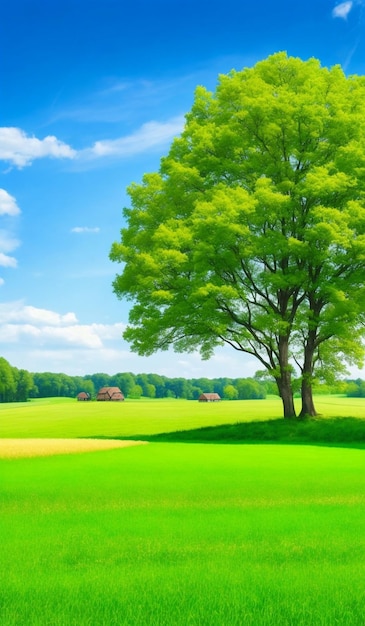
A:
[252,233]
[15,384]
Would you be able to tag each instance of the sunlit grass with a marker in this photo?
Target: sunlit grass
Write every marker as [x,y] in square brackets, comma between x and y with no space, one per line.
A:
[174,534]
[20,448]
[64,417]
[178,534]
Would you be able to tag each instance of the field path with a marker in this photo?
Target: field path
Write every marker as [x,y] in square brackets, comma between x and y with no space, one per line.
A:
[20,448]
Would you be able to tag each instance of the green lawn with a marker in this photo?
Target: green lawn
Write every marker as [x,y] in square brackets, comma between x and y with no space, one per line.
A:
[179,534]
[65,417]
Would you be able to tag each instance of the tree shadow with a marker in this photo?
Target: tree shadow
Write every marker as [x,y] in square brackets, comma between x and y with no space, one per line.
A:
[340,431]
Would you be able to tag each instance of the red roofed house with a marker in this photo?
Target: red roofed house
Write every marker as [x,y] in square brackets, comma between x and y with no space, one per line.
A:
[110,394]
[209,397]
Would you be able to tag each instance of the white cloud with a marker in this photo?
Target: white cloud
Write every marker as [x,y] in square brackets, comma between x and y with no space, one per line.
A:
[7,242]
[8,205]
[18,312]
[81,336]
[26,325]
[14,333]
[78,336]
[2,281]
[19,149]
[41,340]
[85,229]
[109,331]
[150,135]
[7,261]
[342,10]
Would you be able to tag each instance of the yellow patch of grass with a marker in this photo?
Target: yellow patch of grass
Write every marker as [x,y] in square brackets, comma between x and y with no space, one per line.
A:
[20,448]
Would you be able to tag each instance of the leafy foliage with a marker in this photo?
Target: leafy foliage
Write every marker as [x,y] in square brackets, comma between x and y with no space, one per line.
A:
[15,384]
[252,233]
[356,389]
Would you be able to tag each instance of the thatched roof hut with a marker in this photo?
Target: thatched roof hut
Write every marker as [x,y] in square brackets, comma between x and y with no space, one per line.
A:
[83,395]
[108,394]
[209,397]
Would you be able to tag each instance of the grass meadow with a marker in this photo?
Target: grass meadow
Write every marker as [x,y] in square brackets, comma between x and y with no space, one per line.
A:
[178,533]
[65,417]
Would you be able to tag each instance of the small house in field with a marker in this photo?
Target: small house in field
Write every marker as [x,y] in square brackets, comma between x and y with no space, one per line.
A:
[209,397]
[110,394]
[83,395]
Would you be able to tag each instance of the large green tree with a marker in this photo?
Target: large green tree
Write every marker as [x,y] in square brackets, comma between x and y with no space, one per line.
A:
[252,233]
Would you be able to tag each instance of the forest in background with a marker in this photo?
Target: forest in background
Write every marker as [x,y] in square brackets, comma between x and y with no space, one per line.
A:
[19,385]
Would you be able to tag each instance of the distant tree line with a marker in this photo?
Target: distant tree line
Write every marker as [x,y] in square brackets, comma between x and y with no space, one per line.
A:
[147,385]
[356,388]
[19,385]
[15,384]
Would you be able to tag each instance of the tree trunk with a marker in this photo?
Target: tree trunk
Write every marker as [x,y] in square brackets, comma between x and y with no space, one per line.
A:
[308,408]
[286,394]
[284,380]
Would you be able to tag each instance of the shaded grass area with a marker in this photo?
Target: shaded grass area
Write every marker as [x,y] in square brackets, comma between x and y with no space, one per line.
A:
[346,430]
[181,535]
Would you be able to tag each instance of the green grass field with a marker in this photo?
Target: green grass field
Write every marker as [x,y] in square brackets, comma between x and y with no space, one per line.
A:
[65,417]
[179,534]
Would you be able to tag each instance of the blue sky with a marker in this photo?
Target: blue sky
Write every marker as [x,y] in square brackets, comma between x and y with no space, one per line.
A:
[92,93]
